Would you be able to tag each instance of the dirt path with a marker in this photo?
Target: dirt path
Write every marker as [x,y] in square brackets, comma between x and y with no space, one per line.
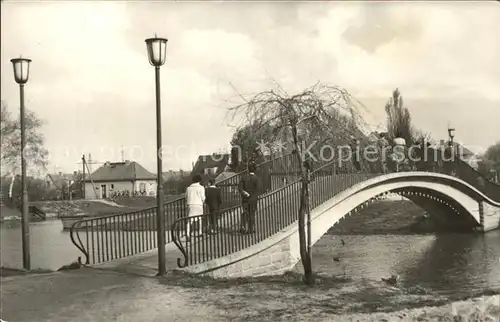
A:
[107,202]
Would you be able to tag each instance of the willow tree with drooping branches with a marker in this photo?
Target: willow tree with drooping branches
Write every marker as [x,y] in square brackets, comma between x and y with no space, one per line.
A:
[320,114]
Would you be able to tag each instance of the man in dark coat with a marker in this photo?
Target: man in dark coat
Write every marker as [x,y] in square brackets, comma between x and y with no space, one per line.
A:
[213,200]
[250,189]
[355,154]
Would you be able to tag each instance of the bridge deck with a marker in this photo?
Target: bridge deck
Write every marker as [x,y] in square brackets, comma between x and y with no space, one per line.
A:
[228,239]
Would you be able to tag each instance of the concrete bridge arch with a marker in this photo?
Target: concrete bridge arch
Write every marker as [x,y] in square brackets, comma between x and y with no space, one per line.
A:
[280,252]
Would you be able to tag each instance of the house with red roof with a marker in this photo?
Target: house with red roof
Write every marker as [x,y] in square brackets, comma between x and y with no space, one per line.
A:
[119,177]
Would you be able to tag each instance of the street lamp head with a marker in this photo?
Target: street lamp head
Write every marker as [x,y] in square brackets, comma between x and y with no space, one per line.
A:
[157,50]
[21,69]
[451,132]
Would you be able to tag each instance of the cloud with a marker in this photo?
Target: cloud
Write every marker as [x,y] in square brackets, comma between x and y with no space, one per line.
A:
[435,49]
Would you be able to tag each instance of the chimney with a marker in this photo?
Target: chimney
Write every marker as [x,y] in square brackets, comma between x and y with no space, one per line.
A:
[60,173]
[127,161]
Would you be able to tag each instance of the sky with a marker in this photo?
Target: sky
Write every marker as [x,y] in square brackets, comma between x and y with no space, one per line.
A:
[91,83]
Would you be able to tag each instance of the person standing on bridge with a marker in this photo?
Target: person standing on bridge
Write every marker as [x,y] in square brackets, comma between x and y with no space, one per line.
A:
[195,197]
[249,189]
[355,154]
[383,146]
[214,200]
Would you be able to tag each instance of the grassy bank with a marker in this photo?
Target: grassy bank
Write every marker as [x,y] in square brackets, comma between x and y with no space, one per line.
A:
[63,208]
[143,201]
[286,297]
[177,297]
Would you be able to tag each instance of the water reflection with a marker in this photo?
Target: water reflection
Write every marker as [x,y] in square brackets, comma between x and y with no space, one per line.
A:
[466,262]
[51,247]
[448,263]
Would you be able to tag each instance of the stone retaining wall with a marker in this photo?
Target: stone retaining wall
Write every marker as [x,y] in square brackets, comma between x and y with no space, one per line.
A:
[274,259]
[490,216]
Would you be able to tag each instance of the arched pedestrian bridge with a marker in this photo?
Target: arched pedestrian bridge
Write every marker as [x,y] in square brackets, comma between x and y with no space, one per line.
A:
[463,201]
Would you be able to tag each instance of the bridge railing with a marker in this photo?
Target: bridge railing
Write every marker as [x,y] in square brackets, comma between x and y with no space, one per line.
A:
[227,238]
[436,160]
[111,237]
[476,179]
[276,210]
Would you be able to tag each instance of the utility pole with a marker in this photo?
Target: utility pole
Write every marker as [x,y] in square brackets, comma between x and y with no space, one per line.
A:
[90,162]
[88,166]
[83,176]
[69,189]
[123,158]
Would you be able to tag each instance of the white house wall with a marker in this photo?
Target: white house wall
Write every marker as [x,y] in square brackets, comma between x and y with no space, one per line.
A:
[119,186]
[149,184]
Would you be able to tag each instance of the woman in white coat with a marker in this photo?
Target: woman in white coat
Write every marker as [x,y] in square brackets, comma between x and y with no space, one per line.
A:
[195,198]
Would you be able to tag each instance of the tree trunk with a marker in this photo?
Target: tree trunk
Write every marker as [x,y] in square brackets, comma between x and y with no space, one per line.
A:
[304,249]
[303,208]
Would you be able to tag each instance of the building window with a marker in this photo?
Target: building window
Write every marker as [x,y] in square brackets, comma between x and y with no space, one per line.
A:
[112,186]
[142,187]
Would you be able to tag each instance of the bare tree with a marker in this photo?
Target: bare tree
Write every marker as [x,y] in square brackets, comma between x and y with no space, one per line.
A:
[421,136]
[10,133]
[319,114]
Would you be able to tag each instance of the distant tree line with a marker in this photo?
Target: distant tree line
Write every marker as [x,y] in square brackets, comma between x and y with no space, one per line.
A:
[489,166]
[38,189]
[176,185]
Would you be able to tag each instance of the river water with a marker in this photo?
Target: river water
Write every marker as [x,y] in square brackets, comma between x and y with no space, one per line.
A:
[51,247]
[444,263]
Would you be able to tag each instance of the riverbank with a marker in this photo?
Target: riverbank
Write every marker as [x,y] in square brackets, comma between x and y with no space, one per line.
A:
[97,295]
[82,207]
[60,209]
[9,272]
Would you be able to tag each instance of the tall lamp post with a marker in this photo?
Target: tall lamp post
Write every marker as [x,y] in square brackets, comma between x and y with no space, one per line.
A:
[157,52]
[21,74]
[451,134]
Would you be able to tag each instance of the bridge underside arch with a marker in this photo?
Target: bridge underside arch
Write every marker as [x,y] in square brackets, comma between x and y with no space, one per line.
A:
[444,213]
[453,205]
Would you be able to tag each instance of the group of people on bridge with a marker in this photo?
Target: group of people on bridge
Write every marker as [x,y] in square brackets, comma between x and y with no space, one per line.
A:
[197,195]
[419,156]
